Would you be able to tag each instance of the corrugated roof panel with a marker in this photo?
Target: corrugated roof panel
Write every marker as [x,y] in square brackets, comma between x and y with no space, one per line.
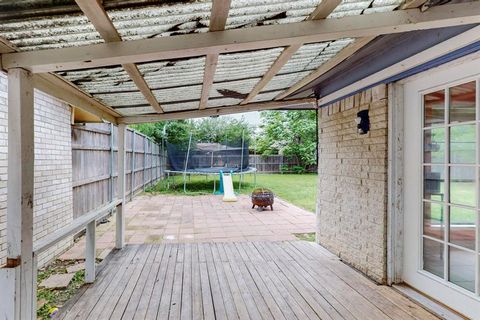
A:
[173,73]
[178,94]
[285,80]
[245,64]
[183,106]
[50,32]
[122,99]
[223,102]
[357,7]
[135,111]
[234,89]
[162,20]
[266,96]
[266,12]
[101,80]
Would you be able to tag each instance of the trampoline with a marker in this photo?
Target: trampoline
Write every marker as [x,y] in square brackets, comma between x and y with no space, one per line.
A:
[207,159]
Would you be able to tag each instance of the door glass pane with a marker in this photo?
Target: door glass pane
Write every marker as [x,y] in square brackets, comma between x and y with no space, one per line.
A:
[462,102]
[462,227]
[434,108]
[433,220]
[462,268]
[462,185]
[433,257]
[434,145]
[462,144]
[434,183]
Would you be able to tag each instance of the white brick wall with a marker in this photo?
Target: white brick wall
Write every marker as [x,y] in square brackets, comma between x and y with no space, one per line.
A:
[351,213]
[53,206]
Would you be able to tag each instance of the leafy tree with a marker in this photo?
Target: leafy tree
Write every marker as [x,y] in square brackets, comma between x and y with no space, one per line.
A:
[290,133]
[204,130]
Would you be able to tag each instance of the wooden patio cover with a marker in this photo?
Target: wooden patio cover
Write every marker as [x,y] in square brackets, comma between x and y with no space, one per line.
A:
[134,61]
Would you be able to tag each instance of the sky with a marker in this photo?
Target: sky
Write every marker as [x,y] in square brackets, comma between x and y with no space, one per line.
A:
[252,118]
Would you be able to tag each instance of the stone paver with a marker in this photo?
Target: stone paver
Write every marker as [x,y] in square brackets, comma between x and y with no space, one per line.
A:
[57,281]
[75,267]
[181,219]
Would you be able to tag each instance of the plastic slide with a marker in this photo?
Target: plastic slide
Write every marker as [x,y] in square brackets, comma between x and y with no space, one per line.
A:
[228,193]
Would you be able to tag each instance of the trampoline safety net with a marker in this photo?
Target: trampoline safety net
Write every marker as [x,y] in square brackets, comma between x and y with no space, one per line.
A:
[203,157]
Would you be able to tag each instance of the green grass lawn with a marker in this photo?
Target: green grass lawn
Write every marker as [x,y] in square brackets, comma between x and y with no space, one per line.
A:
[298,189]
[462,193]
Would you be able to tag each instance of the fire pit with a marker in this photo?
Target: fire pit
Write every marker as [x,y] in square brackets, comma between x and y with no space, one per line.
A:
[262,198]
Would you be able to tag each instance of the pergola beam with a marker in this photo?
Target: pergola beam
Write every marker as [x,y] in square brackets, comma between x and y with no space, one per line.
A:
[341,56]
[218,20]
[236,40]
[219,111]
[321,12]
[97,15]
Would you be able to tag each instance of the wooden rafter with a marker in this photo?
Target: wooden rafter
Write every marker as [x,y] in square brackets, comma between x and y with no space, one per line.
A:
[337,59]
[245,39]
[321,12]
[341,56]
[218,20]
[97,15]
[218,111]
[324,9]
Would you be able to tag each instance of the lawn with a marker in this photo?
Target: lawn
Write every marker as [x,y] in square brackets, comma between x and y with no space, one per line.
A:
[298,189]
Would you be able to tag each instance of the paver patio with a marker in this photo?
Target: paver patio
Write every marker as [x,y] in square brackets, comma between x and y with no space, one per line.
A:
[185,219]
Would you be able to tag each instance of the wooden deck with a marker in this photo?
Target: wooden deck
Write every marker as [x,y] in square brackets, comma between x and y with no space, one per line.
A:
[236,280]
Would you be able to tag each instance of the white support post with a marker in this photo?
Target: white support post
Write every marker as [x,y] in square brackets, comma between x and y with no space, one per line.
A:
[20,281]
[395,213]
[90,250]
[120,218]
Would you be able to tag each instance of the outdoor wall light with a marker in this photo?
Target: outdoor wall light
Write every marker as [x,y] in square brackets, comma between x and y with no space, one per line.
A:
[363,122]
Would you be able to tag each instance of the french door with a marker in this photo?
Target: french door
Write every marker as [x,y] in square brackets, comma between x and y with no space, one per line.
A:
[441,191]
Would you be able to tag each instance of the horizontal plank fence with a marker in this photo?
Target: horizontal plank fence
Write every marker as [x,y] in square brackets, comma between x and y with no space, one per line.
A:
[94,164]
[276,164]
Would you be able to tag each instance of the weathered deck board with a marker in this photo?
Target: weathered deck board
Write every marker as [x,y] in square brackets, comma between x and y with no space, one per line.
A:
[244,280]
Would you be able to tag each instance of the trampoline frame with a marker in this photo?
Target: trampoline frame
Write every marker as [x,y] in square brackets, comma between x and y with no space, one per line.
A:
[241,173]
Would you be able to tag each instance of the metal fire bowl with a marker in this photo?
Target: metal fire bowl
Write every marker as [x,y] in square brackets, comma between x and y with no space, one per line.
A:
[262,198]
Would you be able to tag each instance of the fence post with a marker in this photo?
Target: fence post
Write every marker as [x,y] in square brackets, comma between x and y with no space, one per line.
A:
[151,162]
[144,162]
[132,175]
[112,157]
[120,218]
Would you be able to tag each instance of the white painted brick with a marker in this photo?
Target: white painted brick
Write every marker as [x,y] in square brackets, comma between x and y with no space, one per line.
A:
[352,169]
[53,207]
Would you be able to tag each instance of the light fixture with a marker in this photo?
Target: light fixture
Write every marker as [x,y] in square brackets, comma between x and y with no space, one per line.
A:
[363,122]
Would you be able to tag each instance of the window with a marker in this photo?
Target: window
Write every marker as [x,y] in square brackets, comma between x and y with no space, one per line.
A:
[451,167]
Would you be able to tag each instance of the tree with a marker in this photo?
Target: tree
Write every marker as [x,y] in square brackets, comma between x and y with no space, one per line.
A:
[204,130]
[290,133]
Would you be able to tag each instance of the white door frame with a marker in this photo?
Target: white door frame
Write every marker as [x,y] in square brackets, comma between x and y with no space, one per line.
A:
[457,298]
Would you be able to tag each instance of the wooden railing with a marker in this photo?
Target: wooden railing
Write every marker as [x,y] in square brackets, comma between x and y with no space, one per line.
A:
[88,222]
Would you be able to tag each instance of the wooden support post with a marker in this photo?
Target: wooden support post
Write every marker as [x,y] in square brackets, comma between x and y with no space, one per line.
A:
[120,218]
[90,250]
[20,198]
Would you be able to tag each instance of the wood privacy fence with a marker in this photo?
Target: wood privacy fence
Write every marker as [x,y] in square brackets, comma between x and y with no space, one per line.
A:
[276,164]
[94,164]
